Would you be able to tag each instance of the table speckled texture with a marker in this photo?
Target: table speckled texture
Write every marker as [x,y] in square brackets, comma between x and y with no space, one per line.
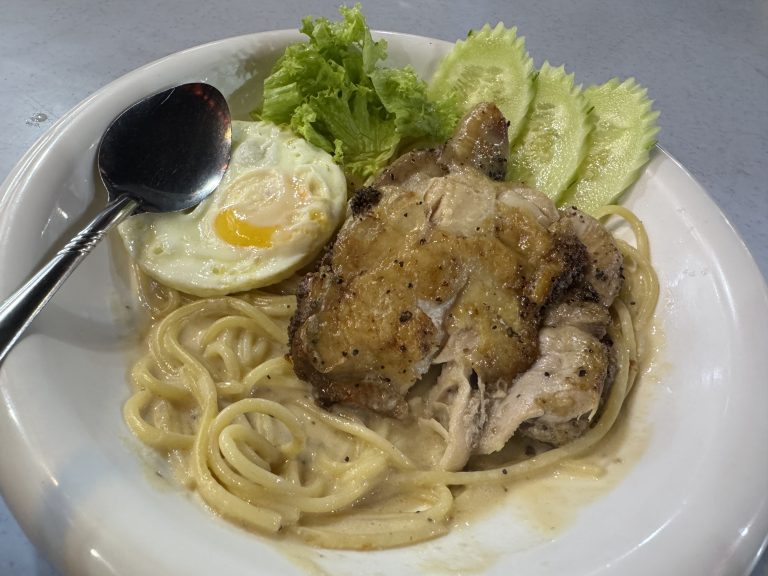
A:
[705,62]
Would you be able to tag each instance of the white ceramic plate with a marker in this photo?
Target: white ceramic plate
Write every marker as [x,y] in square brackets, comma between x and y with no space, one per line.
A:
[689,498]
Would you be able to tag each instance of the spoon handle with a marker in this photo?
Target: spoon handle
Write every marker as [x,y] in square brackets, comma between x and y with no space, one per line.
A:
[17,312]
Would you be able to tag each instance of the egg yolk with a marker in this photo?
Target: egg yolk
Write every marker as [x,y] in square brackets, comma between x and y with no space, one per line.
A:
[237,231]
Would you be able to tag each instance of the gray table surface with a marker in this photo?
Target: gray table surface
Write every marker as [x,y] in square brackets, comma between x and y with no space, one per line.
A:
[705,62]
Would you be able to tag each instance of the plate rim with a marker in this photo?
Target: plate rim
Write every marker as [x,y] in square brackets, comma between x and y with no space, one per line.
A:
[14,186]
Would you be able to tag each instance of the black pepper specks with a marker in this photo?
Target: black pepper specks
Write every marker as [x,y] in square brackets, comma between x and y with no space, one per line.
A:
[364,200]
[405,316]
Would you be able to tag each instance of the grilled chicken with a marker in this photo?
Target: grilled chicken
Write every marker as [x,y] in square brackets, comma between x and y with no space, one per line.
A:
[442,262]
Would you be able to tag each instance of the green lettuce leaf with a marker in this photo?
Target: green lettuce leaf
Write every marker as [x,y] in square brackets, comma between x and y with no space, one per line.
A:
[333,91]
[404,95]
[344,127]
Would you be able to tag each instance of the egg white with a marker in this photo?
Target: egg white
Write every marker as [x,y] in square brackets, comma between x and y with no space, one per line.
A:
[279,203]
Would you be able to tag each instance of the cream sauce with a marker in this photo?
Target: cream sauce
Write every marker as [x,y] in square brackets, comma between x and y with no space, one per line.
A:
[547,501]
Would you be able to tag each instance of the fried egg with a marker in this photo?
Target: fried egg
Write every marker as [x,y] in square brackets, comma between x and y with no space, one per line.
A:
[279,203]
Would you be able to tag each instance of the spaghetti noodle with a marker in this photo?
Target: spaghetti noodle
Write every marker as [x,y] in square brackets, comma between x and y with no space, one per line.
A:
[216,394]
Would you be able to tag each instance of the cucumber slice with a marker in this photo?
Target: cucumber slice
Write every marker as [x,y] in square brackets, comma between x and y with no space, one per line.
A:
[491,65]
[625,131]
[552,144]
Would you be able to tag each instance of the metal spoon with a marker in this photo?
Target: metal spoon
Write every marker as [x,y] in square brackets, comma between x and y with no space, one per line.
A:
[165,153]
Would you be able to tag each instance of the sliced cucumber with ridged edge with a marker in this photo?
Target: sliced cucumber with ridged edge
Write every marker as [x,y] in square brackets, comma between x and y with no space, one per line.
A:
[552,144]
[625,131]
[491,65]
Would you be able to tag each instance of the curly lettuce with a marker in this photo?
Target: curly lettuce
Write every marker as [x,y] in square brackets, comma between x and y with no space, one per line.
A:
[334,91]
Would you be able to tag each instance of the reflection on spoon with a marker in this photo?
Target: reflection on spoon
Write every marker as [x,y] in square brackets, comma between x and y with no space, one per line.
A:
[164,153]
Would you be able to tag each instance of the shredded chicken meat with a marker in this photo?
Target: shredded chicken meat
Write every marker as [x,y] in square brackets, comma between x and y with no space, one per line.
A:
[440,261]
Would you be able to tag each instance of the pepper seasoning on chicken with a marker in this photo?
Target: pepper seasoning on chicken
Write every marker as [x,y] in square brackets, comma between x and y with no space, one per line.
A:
[442,262]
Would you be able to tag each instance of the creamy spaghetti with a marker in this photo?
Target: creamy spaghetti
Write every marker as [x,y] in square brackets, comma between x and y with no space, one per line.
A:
[215,392]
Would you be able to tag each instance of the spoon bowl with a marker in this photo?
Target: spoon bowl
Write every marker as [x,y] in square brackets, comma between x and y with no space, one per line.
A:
[165,153]
[168,151]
